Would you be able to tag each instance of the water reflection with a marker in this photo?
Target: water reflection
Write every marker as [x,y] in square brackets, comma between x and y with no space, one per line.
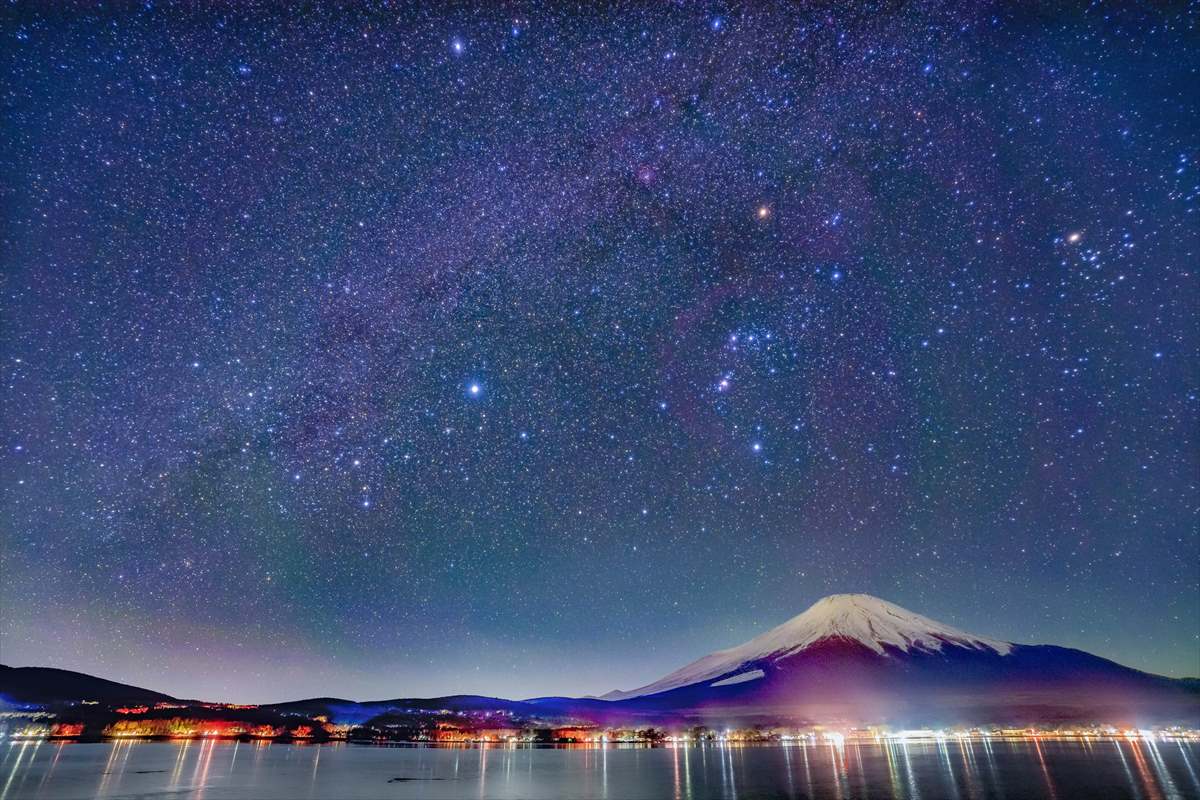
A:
[1186,755]
[905,770]
[16,764]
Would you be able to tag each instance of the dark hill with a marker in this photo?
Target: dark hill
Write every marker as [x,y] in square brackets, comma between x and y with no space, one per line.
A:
[48,686]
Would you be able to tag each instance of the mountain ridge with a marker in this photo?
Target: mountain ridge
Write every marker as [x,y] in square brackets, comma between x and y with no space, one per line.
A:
[849,658]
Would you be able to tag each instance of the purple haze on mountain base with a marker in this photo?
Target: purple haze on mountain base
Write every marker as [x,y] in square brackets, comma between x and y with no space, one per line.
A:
[843,681]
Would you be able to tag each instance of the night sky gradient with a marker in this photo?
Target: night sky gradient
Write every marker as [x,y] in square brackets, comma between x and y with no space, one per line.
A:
[525,350]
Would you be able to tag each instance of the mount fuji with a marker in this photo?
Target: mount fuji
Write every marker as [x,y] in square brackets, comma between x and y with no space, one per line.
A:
[857,658]
[849,659]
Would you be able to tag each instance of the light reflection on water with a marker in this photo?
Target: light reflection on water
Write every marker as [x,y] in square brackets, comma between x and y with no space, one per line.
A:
[222,770]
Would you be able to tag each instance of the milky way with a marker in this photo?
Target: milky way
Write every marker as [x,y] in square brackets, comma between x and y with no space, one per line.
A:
[540,349]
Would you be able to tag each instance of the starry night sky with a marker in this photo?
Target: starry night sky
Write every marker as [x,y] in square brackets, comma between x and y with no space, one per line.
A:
[541,349]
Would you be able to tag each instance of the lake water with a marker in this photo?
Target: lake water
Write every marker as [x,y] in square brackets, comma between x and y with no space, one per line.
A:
[217,770]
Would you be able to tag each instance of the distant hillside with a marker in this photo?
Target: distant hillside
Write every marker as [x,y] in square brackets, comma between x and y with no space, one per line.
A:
[47,686]
[343,710]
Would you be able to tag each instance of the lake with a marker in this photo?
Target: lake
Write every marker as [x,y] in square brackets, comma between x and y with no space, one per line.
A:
[216,770]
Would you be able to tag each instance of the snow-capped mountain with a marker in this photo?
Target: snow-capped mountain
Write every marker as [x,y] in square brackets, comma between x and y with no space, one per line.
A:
[854,657]
[869,621]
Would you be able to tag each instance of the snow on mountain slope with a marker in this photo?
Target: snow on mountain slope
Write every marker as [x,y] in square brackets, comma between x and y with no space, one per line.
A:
[744,677]
[875,623]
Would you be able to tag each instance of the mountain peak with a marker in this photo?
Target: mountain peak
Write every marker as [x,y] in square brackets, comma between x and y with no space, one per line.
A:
[870,621]
[862,618]
[850,598]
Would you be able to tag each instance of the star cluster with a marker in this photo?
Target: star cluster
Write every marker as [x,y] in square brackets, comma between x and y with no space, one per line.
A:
[535,349]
